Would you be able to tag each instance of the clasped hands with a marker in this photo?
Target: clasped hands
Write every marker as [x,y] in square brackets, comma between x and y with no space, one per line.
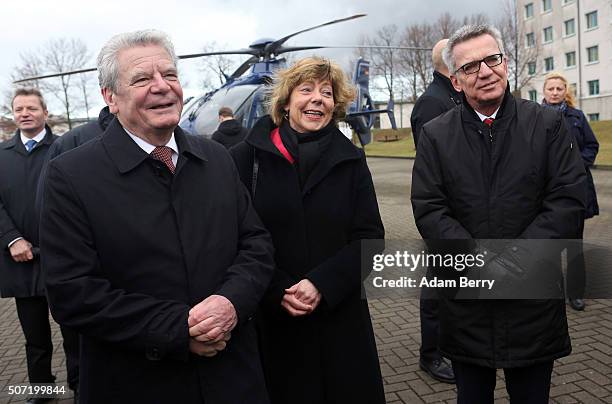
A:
[21,251]
[301,298]
[210,325]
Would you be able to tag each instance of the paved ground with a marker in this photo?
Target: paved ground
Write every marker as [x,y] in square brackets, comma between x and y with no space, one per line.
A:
[583,377]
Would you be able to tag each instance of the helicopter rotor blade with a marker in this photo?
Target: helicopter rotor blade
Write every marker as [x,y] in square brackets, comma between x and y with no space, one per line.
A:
[373,47]
[271,48]
[46,76]
[230,52]
[244,67]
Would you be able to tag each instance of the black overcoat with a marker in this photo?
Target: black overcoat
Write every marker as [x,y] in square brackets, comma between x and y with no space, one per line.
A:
[229,133]
[589,146]
[329,356]
[128,249]
[439,97]
[19,174]
[525,184]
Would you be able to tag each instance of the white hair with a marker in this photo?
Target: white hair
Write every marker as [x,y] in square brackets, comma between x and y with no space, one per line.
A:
[465,33]
[108,66]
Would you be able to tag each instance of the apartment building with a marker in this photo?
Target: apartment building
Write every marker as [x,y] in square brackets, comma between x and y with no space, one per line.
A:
[573,37]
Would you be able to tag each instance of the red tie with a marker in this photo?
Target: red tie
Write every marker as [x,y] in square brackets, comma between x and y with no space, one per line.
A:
[164,154]
[488,122]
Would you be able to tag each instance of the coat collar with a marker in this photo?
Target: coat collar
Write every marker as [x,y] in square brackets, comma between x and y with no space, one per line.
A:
[16,144]
[127,155]
[445,83]
[339,150]
[505,114]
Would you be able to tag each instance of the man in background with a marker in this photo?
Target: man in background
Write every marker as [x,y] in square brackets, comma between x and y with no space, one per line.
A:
[439,97]
[229,132]
[21,161]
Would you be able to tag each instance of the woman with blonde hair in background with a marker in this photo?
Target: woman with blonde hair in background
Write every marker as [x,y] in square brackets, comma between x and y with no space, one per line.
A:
[558,95]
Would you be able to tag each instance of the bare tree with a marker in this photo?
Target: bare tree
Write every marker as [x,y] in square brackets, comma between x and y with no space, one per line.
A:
[520,54]
[417,64]
[57,55]
[385,62]
[216,68]
[445,25]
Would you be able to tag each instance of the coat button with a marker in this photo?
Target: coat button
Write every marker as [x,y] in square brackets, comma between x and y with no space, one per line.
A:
[153,354]
[514,249]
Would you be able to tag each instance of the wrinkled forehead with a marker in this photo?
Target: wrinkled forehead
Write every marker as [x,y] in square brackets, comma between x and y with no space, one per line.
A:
[474,49]
[144,58]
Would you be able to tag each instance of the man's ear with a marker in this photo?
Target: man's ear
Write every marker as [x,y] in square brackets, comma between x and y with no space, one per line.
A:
[455,83]
[109,99]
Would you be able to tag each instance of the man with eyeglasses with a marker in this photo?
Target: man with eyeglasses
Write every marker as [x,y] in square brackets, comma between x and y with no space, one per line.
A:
[497,167]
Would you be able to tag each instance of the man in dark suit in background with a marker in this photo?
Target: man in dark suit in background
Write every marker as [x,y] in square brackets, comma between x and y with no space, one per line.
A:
[152,249]
[21,161]
[439,97]
[229,132]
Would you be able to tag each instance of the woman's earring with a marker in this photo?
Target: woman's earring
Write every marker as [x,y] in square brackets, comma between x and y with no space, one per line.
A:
[287,114]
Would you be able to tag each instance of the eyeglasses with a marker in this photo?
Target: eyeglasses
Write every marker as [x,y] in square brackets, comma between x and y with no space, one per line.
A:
[474,67]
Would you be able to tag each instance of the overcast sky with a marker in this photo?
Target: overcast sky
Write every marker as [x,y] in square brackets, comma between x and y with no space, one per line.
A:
[192,23]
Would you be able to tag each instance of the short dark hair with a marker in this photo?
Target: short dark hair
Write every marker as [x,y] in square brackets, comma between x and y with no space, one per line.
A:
[29,91]
[226,112]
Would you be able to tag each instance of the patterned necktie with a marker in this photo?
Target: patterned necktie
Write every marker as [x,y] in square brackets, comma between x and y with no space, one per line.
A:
[29,145]
[488,122]
[164,154]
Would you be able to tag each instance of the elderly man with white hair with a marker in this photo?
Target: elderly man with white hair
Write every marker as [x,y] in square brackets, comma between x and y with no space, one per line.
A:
[152,250]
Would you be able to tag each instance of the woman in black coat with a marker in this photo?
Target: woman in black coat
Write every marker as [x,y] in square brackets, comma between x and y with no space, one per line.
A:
[558,96]
[313,191]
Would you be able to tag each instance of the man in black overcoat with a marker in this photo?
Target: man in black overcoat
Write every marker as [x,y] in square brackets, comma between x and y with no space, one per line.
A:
[21,161]
[152,249]
[497,167]
[439,97]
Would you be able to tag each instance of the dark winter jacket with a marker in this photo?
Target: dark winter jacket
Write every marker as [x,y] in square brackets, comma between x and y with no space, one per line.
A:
[229,133]
[330,355]
[19,174]
[527,183]
[579,127]
[439,97]
[70,140]
[81,134]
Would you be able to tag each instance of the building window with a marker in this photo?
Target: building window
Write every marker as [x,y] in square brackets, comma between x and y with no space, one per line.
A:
[570,27]
[591,19]
[530,40]
[567,1]
[546,5]
[593,117]
[548,34]
[533,95]
[531,68]
[593,87]
[570,59]
[528,10]
[593,54]
[549,64]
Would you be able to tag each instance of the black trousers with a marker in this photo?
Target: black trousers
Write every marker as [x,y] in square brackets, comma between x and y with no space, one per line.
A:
[525,385]
[430,324]
[33,313]
[576,268]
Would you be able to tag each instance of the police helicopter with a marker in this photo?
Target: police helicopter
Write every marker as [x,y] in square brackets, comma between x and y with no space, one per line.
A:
[244,91]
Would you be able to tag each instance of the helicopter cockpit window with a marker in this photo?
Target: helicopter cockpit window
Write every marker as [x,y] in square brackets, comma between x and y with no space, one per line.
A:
[206,116]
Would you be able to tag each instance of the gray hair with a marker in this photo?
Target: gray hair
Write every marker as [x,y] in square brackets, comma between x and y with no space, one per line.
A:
[466,33]
[108,66]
